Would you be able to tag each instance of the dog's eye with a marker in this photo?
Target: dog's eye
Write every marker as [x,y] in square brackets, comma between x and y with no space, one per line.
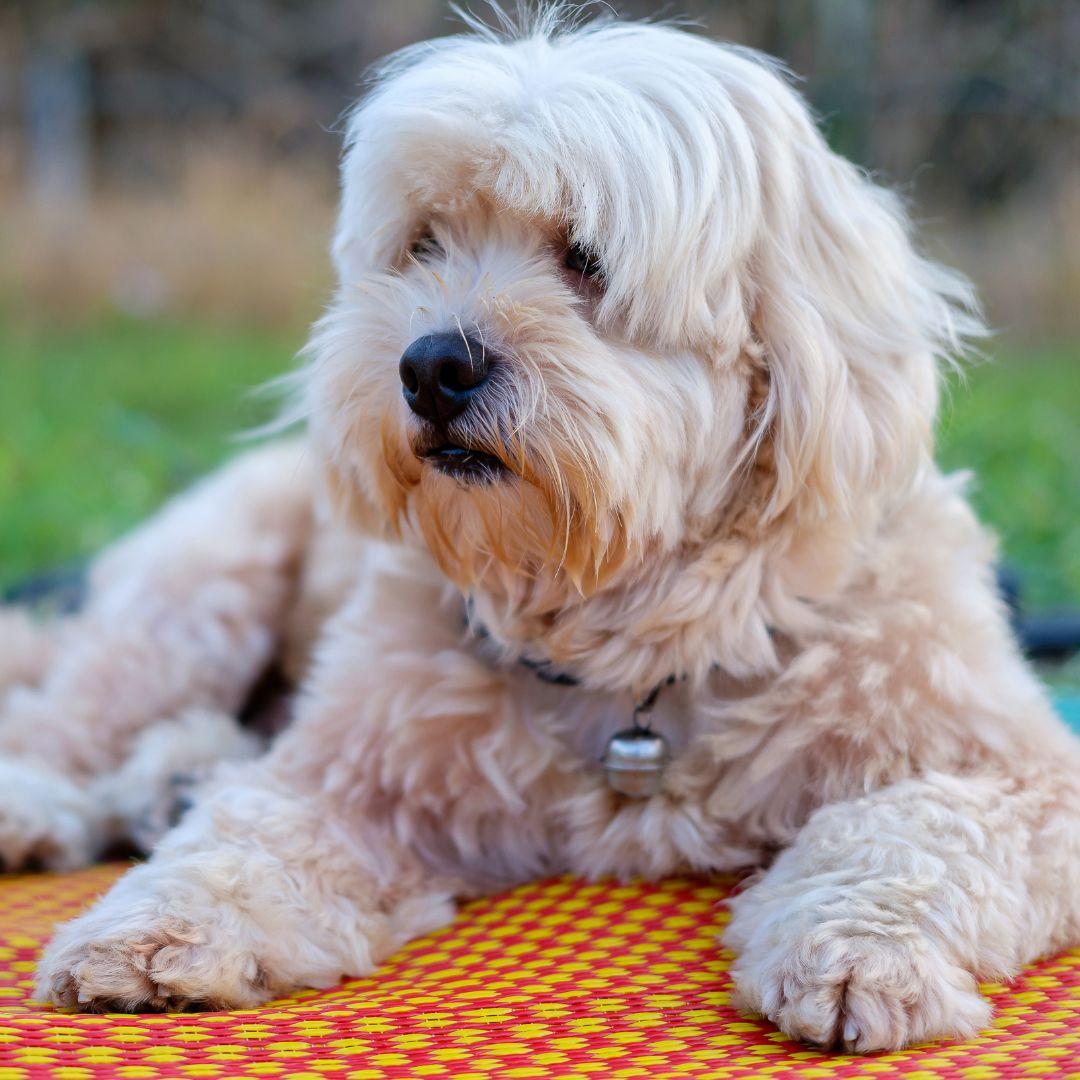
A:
[425,246]
[580,260]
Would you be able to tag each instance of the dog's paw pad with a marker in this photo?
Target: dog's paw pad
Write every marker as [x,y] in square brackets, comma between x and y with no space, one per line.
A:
[166,965]
[862,994]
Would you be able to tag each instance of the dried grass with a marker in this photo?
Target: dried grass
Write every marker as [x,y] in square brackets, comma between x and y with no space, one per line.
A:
[240,238]
[235,238]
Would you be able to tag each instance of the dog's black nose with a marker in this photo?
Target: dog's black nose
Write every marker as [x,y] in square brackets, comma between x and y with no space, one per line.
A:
[440,373]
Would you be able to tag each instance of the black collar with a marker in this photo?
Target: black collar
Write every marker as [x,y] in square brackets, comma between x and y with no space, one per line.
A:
[542,669]
[545,672]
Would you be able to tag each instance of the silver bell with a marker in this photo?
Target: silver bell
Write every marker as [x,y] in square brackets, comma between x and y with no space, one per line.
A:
[634,762]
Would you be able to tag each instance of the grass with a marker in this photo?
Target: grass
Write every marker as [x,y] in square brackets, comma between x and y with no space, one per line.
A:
[1015,421]
[99,424]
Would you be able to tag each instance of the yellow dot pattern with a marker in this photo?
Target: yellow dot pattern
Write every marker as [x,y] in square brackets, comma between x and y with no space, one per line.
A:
[558,980]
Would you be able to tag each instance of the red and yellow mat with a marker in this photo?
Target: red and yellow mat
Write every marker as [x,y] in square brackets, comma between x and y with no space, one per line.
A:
[554,980]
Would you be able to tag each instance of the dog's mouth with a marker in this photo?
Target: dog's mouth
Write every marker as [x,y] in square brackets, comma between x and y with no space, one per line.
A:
[464,463]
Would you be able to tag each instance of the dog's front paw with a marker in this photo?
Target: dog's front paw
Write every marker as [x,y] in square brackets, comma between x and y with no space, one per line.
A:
[46,819]
[139,949]
[840,989]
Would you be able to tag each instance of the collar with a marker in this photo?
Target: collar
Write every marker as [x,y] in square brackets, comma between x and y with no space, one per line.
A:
[636,757]
[546,672]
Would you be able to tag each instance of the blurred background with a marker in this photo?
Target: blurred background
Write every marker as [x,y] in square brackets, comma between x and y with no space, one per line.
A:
[167,183]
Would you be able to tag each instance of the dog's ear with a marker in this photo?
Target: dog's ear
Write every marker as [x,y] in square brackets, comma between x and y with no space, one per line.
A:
[371,216]
[851,322]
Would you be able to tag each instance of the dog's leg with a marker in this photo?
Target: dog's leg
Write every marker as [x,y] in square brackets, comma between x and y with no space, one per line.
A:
[259,890]
[185,612]
[406,779]
[871,931]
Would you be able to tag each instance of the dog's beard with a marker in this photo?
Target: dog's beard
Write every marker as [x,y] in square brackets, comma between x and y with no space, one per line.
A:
[491,501]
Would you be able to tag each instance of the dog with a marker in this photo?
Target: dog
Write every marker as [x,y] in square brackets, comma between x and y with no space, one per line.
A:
[613,545]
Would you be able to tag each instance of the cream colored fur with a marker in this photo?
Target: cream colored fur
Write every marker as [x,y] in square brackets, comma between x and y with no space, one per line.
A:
[718,465]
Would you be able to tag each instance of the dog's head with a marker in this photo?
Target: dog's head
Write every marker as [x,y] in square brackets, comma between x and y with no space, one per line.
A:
[605,293]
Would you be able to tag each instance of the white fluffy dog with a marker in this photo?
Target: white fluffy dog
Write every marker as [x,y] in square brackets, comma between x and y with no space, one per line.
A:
[627,393]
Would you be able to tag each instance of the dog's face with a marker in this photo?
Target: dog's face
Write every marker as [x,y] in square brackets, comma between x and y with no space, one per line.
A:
[590,283]
[495,407]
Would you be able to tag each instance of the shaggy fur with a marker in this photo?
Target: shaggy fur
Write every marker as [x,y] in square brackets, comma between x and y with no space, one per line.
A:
[717,464]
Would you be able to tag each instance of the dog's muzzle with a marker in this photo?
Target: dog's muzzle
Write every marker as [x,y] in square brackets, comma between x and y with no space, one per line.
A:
[441,377]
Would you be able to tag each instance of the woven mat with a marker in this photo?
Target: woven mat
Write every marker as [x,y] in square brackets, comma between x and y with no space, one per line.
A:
[554,980]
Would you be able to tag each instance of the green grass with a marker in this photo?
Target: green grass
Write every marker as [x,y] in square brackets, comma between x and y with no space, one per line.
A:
[1015,421]
[98,425]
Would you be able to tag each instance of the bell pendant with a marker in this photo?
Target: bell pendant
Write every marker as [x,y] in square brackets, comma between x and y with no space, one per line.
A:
[634,762]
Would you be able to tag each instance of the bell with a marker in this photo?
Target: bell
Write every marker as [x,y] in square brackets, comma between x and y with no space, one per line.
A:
[634,762]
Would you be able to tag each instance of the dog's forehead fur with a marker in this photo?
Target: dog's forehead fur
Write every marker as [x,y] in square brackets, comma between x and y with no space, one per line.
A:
[627,136]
